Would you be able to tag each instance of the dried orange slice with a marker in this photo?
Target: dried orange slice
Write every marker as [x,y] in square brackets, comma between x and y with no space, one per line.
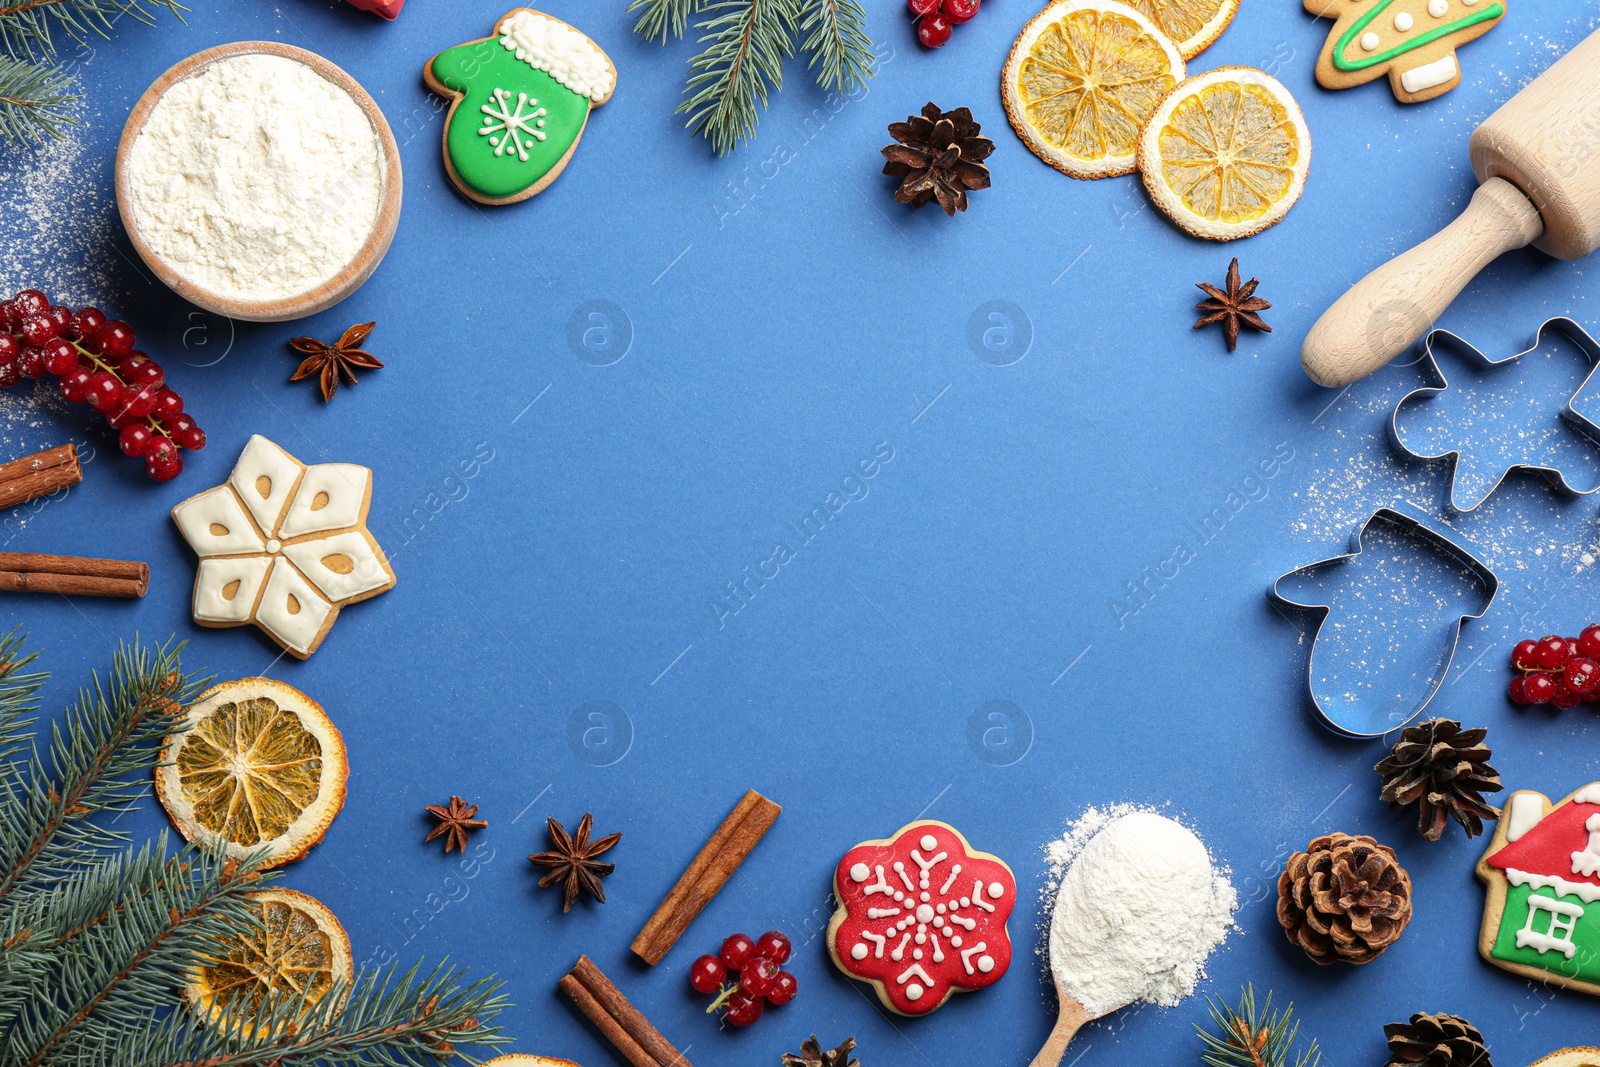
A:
[1082,78]
[1193,25]
[523,1059]
[260,766]
[298,950]
[1226,153]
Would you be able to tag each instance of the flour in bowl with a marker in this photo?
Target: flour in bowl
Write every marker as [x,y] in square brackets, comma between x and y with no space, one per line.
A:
[1139,908]
[257,179]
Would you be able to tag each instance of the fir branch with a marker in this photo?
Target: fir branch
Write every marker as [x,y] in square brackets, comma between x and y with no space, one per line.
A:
[747,42]
[26,25]
[375,1020]
[1247,1037]
[34,101]
[836,39]
[663,18]
[97,756]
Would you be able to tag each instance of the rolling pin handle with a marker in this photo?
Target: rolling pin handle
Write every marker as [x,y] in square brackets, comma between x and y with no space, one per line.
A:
[1384,313]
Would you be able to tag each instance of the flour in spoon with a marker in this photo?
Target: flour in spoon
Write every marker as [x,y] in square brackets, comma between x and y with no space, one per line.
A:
[1139,908]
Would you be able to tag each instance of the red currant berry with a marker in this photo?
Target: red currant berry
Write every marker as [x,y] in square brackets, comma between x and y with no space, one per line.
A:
[62,317]
[737,951]
[933,31]
[8,317]
[169,405]
[140,369]
[1551,652]
[9,375]
[920,8]
[1582,675]
[140,402]
[163,470]
[60,356]
[114,339]
[194,438]
[31,362]
[74,385]
[1514,691]
[1589,641]
[135,440]
[1523,656]
[103,391]
[30,302]
[743,1008]
[1572,648]
[87,322]
[1565,698]
[758,975]
[774,946]
[960,12]
[10,349]
[161,448]
[38,328]
[1538,688]
[784,987]
[707,974]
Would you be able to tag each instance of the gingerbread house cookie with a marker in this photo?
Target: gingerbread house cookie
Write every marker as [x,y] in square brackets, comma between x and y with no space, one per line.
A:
[1414,42]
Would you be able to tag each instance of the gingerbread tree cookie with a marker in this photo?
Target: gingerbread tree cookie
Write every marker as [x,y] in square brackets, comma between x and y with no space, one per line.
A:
[521,100]
[1414,42]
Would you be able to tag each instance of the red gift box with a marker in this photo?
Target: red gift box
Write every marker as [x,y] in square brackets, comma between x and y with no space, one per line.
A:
[387,8]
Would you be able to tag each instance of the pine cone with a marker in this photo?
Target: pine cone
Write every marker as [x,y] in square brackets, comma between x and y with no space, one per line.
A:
[811,1055]
[1445,771]
[1344,898]
[1436,1041]
[940,156]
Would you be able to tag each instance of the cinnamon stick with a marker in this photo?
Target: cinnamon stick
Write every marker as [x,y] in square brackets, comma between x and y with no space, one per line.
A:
[38,475]
[739,833]
[615,1016]
[36,572]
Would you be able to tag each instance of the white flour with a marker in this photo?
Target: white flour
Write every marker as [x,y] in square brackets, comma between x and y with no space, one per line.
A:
[256,179]
[1139,909]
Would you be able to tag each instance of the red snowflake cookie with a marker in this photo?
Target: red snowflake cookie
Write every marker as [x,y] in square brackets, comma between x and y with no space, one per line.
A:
[922,915]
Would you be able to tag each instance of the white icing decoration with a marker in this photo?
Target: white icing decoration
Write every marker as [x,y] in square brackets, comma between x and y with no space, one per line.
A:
[1369,41]
[506,128]
[1429,75]
[860,873]
[996,890]
[914,971]
[938,953]
[916,953]
[977,897]
[1438,8]
[968,953]
[900,950]
[955,872]
[925,913]
[859,952]
[1403,22]
[899,896]
[882,913]
[1587,862]
[929,842]
[900,869]
[1469,3]
[970,924]
[1587,892]
[552,46]
[956,941]
[1525,811]
[985,964]
[877,939]
[1558,937]
[914,991]
[342,489]
[282,545]
[1589,794]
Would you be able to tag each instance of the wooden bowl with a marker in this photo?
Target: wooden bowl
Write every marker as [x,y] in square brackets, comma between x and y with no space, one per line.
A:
[335,289]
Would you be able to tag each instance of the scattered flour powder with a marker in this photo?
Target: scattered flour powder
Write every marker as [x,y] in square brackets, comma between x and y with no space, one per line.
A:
[256,179]
[1139,909]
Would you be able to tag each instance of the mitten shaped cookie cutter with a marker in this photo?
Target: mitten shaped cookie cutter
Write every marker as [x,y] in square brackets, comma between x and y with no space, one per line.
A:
[1364,719]
[1586,427]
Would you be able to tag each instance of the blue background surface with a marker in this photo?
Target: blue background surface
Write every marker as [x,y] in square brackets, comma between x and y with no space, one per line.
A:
[775,337]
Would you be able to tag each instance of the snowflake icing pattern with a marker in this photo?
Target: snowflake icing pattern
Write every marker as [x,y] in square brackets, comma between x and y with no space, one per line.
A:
[506,127]
[922,915]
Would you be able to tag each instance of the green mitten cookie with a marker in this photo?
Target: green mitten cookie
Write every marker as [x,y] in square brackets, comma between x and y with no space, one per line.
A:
[520,102]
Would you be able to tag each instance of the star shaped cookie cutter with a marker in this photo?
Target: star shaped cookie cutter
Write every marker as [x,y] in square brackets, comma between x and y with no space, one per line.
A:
[1578,421]
[1396,712]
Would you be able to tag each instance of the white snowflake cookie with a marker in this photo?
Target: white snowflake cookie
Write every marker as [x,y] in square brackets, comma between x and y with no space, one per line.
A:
[284,546]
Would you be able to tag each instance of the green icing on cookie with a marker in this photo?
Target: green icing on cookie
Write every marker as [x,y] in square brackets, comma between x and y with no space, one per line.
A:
[513,125]
[1559,934]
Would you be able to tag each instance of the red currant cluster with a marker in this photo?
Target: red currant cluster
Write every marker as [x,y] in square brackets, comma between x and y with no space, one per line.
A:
[758,980]
[95,361]
[1564,671]
[937,18]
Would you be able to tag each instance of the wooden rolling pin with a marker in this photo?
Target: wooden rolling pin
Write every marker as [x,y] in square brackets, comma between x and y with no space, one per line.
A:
[1538,159]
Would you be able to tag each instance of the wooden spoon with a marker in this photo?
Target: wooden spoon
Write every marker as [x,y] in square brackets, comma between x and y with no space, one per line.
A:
[1072,1019]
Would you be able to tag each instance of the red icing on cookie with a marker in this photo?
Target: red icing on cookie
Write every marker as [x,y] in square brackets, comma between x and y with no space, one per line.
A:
[387,8]
[922,915]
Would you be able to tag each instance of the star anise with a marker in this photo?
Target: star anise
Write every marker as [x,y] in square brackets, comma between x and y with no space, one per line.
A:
[1236,307]
[938,155]
[334,361]
[455,823]
[811,1055]
[572,862]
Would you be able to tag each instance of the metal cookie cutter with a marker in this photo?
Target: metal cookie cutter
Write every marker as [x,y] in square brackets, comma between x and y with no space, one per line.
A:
[1337,703]
[1582,424]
